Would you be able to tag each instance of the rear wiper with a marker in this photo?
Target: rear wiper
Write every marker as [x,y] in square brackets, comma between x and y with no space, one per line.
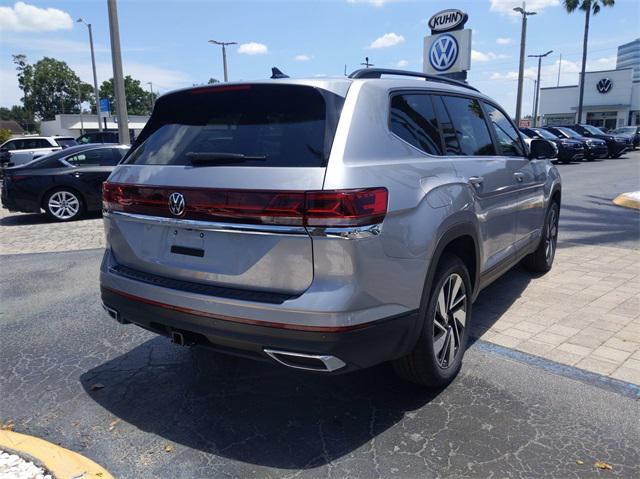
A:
[213,158]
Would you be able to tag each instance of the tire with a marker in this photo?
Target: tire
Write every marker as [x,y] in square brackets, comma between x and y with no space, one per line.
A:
[63,204]
[541,260]
[437,356]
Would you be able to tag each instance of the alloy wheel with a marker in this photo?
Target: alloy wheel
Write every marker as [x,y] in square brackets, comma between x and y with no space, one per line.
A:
[449,320]
[63,205]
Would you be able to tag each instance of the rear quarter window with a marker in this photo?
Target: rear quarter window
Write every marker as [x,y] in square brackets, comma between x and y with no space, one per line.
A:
[271,125]
[413,119]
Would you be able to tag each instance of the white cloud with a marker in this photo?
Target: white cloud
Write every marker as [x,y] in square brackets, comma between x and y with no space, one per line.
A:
[375,3]
[478,56]
[253,48]
[303,58]
[29,18]
[506,7]
[402,64]
[503,41]
[387,40]
[10,93]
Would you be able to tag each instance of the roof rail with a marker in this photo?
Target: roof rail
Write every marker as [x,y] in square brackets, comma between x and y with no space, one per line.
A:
[378,72]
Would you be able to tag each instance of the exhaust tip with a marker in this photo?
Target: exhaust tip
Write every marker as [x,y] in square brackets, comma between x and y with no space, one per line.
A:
[177,338]
[308,362]
[113,313]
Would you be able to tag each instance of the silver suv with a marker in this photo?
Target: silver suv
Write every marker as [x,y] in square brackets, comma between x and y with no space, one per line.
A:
[326,225]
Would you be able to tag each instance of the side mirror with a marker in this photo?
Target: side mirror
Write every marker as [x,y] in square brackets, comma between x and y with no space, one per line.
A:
[542,149]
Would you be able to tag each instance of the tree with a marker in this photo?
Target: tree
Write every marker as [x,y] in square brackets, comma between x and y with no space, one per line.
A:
[50,87]
[212,81]
[5,134]
[586,6]
[20,115]
[139,100]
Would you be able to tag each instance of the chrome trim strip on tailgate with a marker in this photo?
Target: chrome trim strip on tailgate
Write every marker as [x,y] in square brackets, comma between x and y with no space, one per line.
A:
[348,233]
[208,225]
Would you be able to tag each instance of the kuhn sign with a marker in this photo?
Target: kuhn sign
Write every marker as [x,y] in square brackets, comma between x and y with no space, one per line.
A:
[446,20]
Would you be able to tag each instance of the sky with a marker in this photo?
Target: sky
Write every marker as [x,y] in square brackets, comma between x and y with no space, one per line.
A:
[166,42]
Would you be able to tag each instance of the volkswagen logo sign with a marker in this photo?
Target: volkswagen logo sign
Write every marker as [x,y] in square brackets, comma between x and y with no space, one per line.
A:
[443,52]
[176,204]
[604,85]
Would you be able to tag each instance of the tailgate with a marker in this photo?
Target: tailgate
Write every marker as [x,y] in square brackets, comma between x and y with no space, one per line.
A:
[250,142]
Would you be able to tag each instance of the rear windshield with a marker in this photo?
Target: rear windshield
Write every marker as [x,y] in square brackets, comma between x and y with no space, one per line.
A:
[241,125]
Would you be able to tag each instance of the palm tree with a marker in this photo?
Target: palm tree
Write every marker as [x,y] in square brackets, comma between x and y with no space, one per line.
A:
[586,6]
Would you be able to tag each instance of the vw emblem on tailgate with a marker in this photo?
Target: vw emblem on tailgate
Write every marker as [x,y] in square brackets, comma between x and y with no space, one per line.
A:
[176,204]
[604,85]
[443,52]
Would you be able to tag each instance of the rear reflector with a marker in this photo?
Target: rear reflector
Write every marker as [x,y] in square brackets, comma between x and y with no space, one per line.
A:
[298,208]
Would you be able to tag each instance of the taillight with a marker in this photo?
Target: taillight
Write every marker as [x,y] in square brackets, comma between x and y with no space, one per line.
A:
[356,207]
[345,207]
[17,177]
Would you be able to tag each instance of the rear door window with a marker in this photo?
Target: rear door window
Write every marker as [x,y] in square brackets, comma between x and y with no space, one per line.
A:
[470,126]
[242,125]
[413,119]
[97,157]
[507,137]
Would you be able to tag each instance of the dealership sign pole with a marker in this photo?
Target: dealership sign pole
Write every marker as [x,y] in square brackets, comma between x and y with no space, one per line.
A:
[447,51]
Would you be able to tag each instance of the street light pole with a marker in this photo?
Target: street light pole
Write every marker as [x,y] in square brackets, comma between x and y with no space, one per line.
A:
[537,94]
[95,77]
[151,91]
[224,55]
[118,79]
[523,38]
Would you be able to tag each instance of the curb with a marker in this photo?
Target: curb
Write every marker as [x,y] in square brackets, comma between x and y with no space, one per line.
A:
[628,200]
[62,463]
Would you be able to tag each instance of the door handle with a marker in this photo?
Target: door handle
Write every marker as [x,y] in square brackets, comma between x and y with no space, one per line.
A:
[519,176]
[476,181]
[77,174]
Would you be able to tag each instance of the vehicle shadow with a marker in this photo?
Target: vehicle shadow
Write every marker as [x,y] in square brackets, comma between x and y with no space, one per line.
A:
[27,219]
[250,411]
[496,299]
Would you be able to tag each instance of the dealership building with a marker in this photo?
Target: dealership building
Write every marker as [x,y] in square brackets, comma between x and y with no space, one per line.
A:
[76,124]
[611,97]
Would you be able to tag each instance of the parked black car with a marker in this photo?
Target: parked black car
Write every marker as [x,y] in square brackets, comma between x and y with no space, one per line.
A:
[595,148]
[98,137]
[632,131]
[568,150]
[65,184]
[617,145]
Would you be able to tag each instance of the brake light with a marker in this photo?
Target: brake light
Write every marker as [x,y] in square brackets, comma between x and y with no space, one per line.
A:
[17,177]
[356,207]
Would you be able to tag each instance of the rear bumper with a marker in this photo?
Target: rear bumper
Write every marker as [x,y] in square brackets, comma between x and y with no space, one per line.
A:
[13,201]
[358,346]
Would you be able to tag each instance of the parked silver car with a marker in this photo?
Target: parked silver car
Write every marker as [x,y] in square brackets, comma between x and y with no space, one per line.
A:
[327,225]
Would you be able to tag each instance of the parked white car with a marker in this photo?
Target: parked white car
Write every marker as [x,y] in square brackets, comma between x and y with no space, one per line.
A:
[21,150]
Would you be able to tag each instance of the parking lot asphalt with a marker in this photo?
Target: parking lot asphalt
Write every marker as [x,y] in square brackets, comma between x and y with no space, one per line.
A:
[143,407]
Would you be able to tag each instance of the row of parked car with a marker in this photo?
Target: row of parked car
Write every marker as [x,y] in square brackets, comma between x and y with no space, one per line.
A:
[22,150]
[586,142]
[64,179]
